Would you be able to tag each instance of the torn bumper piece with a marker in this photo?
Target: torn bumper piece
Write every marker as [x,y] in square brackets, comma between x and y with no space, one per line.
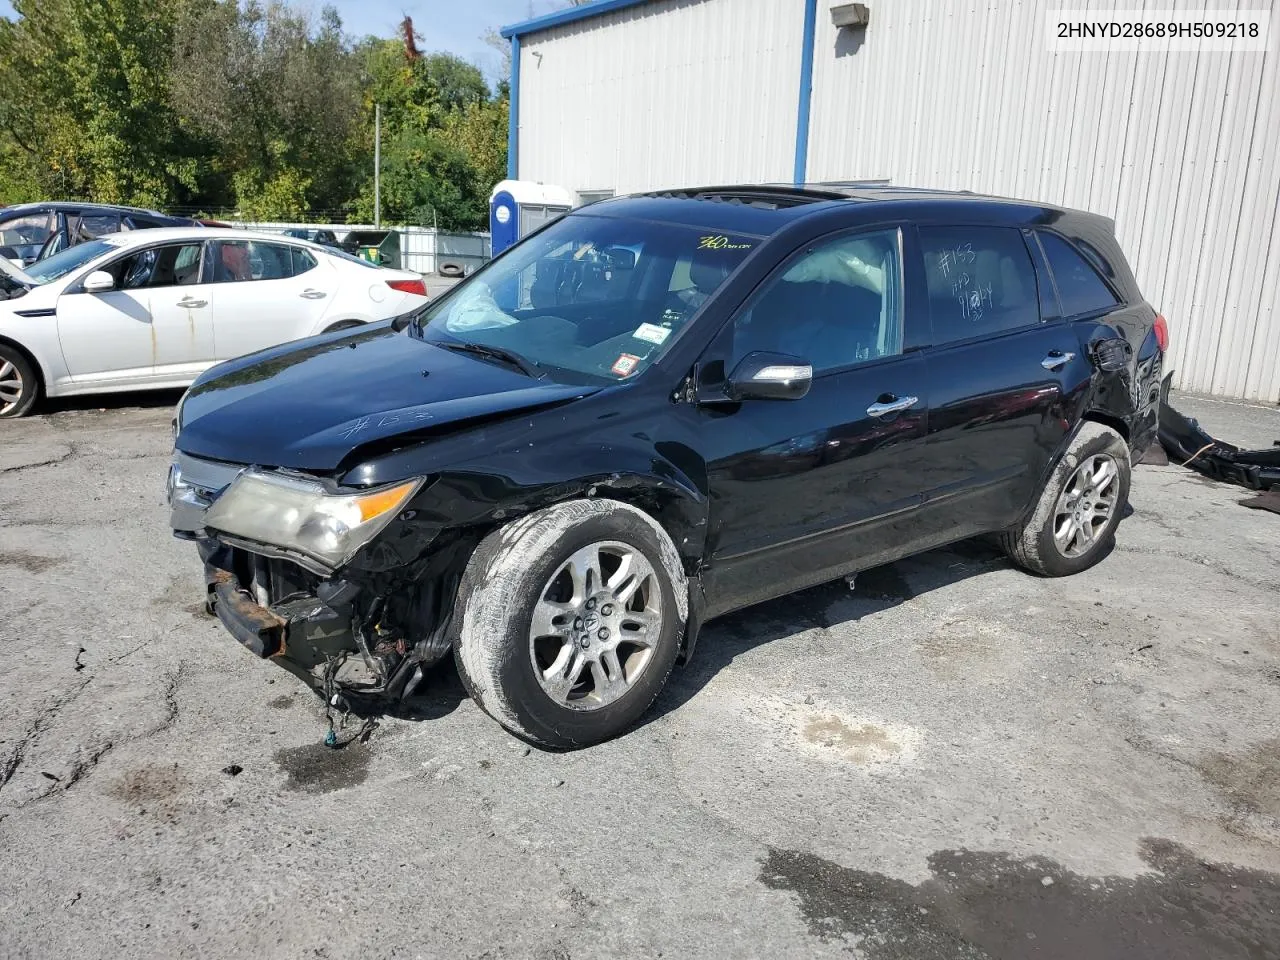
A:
[253,625]
[1187,443]
[302,630]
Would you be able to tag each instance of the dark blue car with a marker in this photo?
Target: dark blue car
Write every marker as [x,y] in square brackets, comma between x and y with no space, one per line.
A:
[33,231]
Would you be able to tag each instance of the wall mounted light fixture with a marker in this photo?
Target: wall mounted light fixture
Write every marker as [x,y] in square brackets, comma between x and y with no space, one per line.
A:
[855,16]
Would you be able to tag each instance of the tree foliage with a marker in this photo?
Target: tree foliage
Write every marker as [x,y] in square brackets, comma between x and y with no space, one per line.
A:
[257,106]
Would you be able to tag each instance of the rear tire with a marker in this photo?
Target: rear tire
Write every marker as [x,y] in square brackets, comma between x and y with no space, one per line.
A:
[19,384]
[1074,522]
[603,584]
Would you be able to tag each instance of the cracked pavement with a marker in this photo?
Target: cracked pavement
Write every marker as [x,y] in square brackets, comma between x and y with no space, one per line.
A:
[955,759]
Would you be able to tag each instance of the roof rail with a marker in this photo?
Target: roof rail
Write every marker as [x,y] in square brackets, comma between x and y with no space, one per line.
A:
[770,194]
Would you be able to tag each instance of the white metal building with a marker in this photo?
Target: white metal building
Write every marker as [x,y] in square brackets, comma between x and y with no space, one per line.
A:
[1182,149]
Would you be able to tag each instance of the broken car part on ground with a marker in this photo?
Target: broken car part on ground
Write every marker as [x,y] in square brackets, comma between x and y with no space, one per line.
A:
[657,410]
[1186,441]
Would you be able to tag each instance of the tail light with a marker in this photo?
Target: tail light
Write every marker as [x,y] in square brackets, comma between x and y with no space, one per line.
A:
[416,287]
[1162,333]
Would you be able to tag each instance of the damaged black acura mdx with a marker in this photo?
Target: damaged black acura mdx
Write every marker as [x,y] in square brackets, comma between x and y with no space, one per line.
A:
[655,410]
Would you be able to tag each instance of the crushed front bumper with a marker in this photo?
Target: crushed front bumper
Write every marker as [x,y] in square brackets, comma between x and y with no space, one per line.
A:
[301,629]
[330,628]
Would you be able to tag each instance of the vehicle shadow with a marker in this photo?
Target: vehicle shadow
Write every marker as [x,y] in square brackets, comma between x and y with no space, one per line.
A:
[437,695]
[723,640]
[135,399]
[822,607]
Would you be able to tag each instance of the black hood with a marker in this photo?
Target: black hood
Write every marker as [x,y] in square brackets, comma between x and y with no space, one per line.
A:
[309,406]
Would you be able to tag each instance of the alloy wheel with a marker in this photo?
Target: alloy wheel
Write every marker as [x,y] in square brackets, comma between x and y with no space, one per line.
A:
[595,625]
[10,386]
[1086,505]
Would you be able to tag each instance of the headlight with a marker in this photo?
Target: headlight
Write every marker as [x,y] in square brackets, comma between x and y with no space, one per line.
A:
[301,516]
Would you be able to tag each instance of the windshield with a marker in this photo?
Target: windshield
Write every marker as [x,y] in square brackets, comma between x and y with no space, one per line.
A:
[60,264]
[590,295]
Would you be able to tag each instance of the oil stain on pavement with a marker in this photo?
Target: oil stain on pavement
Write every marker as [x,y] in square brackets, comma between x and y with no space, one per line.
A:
[28,561]
[990,906]
[315,768]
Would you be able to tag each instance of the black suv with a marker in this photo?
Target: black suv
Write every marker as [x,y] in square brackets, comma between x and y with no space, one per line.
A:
[655,410]
[33,231]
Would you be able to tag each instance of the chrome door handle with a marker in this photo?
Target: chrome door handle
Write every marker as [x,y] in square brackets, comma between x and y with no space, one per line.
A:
[310,294]
[894,406]
[1056,360]
[188,302]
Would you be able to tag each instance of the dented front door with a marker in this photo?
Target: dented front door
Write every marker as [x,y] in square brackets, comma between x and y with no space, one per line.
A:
[155,326]
[107,336]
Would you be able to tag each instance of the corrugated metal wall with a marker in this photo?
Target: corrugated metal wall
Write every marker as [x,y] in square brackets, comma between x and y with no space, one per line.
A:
[1182,149]
[664,94]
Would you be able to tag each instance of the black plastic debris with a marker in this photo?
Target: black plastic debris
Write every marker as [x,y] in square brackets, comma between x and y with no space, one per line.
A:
[1187,443]
[233,769]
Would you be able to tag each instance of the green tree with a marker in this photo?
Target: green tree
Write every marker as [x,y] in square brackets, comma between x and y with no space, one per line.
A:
[275,97]
[426,180]
[444,137]
[85,103]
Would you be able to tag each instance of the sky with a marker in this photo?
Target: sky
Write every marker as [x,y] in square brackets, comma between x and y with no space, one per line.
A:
[455,26]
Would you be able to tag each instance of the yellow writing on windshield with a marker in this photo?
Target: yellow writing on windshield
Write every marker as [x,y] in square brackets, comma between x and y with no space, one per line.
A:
[720,243]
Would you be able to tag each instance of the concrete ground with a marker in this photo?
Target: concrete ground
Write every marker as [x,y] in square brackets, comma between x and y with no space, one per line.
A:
[955,759]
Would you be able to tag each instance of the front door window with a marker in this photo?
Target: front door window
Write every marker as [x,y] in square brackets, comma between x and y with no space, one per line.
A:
[837,305]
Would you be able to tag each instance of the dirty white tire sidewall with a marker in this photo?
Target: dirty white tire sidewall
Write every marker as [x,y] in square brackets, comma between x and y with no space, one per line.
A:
[1032,545]
[504,580]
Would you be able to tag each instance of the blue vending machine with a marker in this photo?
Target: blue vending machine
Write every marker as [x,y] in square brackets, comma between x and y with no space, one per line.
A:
[518,207]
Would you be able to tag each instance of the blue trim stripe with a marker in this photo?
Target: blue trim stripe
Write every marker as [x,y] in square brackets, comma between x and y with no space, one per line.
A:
[513,113]
[806,92]
[571,15]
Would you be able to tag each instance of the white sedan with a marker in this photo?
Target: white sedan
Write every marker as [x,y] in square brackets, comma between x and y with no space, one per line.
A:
[154,308]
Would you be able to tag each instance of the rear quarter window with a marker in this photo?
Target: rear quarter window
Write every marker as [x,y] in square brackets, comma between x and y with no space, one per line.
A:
[1080,289]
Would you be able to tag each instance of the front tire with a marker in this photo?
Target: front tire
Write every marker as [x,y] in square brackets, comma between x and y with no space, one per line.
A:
[19,385]
[571,621]
[1074,522]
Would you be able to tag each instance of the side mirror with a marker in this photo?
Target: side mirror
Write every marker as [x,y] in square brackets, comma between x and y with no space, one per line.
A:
[769,376]
[619,258]
[99,282]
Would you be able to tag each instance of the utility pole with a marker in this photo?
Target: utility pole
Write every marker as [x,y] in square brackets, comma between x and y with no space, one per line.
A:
[377,165]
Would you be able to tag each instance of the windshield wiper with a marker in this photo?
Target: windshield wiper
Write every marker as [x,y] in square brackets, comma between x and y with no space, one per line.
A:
[500,354]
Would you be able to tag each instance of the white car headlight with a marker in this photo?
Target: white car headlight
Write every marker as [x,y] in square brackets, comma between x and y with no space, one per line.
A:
[301,516]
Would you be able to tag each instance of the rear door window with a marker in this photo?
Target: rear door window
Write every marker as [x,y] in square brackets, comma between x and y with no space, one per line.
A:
[981,281]
[1080,289]
[241,261]
[138,222]
[93,225]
